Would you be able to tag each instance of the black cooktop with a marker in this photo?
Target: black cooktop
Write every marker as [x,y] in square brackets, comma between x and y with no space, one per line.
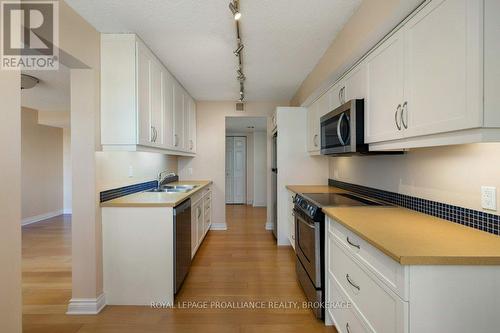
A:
[339,199]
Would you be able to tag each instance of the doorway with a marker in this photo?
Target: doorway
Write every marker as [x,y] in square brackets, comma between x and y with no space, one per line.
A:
[236,162]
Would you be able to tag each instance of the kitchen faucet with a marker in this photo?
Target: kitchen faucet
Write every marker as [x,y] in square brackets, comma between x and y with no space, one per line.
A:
[160,179]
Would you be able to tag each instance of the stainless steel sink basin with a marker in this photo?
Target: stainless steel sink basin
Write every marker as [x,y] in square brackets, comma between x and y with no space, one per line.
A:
[173,189]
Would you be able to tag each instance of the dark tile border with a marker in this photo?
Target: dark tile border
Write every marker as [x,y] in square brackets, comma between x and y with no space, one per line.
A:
[131,189]
[465,216]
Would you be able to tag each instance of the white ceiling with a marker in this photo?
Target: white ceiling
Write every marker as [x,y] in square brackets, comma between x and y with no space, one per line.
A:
[51,94]
[284,39]
[242,124]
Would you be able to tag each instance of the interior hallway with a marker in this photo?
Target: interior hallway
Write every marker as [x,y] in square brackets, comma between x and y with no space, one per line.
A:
[237,265]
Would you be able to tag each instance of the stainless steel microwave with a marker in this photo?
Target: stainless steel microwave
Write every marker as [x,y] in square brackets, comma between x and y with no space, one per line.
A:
[343,130]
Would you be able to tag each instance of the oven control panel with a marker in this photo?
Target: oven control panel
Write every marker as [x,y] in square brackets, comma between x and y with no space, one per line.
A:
[310,209]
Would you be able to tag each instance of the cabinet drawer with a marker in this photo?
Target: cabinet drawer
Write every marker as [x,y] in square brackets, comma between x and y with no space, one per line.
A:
[379,306]
[196,197]
[390,272]
[344,317]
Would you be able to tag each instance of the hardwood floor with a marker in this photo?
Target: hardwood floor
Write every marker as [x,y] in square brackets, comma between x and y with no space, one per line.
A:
[242,264]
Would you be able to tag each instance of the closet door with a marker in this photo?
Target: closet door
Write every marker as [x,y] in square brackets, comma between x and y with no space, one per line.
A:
[236,170]
[229,169]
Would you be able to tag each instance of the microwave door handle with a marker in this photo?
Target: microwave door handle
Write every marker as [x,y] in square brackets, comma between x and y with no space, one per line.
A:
[338,130]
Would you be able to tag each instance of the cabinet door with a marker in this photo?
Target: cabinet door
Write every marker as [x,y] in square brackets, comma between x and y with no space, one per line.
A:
[186,128]
[156,116]
[323,107]
[192,126]
[168,110]
[355,83]
[178,116]
[201,222]
[443,70]
[145,132]
[385,67]
[313,128]
[335,99]
[195,211]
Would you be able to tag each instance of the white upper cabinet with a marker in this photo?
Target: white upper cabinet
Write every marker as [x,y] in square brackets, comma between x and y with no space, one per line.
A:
[443,68]
[385,91]
[142,105]
[192,126]
[313,129]
[356,83]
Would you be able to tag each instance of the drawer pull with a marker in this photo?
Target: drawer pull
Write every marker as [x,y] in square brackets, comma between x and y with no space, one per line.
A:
[352,283]
[347,328]
[352,244]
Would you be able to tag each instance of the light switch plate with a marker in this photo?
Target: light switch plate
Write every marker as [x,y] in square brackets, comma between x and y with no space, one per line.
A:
[489,197]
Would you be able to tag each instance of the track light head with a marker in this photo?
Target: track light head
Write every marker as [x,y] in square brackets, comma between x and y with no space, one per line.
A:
[233,6]
[239,49]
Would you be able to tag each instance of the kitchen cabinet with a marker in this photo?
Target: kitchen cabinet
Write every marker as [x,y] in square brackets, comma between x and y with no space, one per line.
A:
[385,93]
[313,129]
[291,217]
[143,107]
[201,217]
[443,68]
[355,86]
[386,296]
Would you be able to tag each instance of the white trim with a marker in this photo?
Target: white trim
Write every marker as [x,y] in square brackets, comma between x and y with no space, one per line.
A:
[41,217]
[260,204]
[269,226]
[68,211]
[86,306]
[219,226]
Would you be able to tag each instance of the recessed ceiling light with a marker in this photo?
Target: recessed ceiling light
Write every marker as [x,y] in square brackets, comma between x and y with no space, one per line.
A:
[233,6]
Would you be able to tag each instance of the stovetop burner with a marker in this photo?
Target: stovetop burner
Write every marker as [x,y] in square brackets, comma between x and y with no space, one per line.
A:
[339,199]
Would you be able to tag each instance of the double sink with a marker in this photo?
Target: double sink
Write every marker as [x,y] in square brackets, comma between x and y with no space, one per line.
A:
[173,189]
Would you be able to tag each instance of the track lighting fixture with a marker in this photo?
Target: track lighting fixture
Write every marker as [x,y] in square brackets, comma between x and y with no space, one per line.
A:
[239,49]
[233,6]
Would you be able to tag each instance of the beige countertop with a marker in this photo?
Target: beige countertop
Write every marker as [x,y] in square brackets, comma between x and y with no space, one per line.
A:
[152,199]
[314,189]
[413,238]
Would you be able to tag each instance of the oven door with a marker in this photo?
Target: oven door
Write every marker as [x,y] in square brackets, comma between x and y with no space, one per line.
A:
[336,133]
[307,246]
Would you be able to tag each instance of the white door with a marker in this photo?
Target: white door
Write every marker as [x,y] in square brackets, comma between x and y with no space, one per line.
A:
[236,170]
[385,91]
[229,169]
[443,68]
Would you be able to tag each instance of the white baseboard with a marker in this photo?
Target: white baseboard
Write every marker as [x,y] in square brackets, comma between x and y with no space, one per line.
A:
[219,226]
[86,306]
[257,204]
[41,217]
[68,211]
[269,226]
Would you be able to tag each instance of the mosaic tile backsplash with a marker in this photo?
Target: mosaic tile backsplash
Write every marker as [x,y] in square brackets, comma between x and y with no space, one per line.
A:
[468,217]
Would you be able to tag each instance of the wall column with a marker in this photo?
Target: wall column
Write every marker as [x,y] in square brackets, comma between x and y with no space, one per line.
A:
[10,198]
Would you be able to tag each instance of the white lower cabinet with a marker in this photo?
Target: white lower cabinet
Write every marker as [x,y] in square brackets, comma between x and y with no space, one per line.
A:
[386,297]
[201,217]
[291,217]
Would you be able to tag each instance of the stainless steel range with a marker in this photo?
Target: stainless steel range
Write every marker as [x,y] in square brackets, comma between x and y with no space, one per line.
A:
[310,238]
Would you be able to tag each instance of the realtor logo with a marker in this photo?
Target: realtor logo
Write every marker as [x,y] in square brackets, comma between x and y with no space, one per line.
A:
[29,35]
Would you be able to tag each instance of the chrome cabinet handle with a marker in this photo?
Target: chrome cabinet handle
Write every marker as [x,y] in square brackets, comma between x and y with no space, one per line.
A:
[352,283]
[347,328]
[315,140]
[398,109]
[199,212]
[191,144]
[156,133]
[340,96]
[176,140]
[152,136]
[343,95]
[352,244]
[405,108]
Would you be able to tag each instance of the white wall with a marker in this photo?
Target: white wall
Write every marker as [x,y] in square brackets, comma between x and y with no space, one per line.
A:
[113,167]
[259,169]
[452,174]
[67,188]
[42,169]
[209,162]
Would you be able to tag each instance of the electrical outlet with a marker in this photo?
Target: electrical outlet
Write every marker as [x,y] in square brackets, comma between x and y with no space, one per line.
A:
[130,171]
[489,197]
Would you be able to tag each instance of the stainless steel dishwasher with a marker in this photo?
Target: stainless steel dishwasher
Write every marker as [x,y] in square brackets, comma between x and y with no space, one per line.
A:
[182,242]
